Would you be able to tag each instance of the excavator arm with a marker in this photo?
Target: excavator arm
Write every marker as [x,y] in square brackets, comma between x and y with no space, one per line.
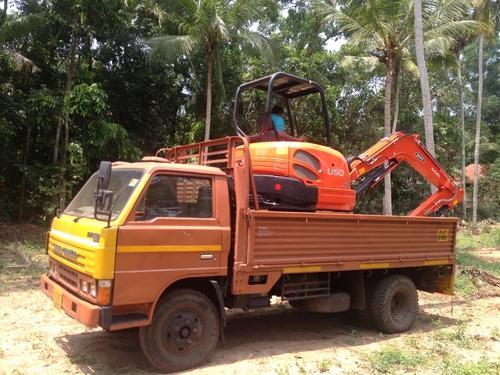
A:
[388,153]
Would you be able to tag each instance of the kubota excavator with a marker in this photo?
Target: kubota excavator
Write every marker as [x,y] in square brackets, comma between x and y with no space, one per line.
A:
[291,174]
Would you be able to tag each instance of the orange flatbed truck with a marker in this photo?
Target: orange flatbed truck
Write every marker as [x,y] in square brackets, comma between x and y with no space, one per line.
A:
[169,243]
[185,241]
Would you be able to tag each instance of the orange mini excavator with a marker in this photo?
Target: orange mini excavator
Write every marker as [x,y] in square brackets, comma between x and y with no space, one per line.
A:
[291,174]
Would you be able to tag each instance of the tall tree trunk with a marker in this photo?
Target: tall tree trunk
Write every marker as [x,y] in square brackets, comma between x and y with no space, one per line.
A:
[424,80]
[208,109]
[462,128]
[4,11]
[22,191]
[387,131]
[478,132]
[398,78]
[70,73]
[57,141]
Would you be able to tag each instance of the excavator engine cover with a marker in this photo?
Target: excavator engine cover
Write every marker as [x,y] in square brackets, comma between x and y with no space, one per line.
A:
[301,176]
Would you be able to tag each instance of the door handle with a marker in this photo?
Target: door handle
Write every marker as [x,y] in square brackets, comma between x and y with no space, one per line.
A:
[207,257]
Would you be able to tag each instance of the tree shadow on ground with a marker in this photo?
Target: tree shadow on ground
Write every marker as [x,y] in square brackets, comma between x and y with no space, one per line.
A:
[258,334]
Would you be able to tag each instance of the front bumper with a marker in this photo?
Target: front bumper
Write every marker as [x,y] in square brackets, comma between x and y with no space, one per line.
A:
[84,312]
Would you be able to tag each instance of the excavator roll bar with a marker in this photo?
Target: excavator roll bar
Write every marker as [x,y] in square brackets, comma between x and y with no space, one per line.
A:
[388,153]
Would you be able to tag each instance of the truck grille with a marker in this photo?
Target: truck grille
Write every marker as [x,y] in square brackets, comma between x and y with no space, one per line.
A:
[69,278]
[68,275]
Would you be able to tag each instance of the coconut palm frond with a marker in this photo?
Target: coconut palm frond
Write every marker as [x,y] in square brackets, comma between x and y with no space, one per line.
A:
[443,60]
[265,46]
[457,29]
[439,45]
[371,62]
[219,28]
[410,66]
[244,10]
[170,47]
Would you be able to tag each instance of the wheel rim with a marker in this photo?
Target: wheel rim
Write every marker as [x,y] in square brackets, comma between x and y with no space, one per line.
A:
[182,332]
[400,306]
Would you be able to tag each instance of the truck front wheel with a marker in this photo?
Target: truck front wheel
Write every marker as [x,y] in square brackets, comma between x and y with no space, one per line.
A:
[394,304]
[184,331]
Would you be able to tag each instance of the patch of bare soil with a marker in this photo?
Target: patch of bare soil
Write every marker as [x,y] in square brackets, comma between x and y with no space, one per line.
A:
[491,254]
[38,339]
[21,232]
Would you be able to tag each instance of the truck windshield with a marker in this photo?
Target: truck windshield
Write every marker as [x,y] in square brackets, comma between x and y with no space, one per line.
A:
[123,183]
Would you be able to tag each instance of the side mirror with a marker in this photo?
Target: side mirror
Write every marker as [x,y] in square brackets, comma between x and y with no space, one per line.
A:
[104,174]
[103,197]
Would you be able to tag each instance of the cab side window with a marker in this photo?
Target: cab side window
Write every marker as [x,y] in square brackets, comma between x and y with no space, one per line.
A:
[176,196]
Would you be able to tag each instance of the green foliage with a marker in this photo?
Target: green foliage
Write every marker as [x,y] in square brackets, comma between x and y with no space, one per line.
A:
[391,359]
[87,101]
[121,105]
[466,259]
[481,367]
[489,237]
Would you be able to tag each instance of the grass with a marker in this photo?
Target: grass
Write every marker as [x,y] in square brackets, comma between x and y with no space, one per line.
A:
[467,259]
[458,336]
[392,359]
[467,243]
[324,365]
[481,367]
[489,237]
[21,263]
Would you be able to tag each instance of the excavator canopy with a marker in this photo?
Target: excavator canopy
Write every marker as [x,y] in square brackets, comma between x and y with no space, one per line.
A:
[286,87]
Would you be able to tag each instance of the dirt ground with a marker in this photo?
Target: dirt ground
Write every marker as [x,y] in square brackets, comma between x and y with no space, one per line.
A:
[451,334]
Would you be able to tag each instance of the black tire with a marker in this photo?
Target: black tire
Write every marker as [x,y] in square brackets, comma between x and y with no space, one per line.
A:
[184,331]
[394,304]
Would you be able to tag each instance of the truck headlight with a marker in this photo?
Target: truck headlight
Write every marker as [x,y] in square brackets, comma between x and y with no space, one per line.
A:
[93,290]
[84,286]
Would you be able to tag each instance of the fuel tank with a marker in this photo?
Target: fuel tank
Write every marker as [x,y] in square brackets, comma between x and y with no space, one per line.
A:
[286,171]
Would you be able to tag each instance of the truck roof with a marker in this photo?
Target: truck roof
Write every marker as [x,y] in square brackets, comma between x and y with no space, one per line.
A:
[152,166]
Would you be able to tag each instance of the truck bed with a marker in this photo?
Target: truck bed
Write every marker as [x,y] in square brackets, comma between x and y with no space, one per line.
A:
[348,241]
[295,242]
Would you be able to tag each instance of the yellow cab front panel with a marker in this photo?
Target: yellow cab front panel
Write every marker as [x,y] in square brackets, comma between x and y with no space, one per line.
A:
[86,246]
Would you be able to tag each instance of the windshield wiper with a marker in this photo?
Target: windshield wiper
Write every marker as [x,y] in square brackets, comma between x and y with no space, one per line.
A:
[76,219]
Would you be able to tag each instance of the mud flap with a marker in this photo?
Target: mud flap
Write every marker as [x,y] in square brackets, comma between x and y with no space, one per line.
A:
[222,310]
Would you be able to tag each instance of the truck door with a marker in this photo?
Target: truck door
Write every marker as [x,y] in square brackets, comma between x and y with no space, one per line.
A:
[172,233]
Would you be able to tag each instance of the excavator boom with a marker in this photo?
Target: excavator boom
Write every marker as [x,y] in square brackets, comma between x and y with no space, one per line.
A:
[388,153]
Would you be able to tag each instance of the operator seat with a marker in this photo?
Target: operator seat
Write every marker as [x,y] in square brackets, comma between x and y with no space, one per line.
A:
[269,134]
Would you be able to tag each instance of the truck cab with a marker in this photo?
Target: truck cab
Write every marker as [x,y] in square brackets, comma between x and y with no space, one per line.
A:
[167,222]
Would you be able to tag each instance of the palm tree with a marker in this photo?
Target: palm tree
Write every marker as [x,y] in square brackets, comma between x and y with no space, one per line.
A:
[384,30]
[485,12]
[376,27]
[424,79]
[478,131]
[462,128]
[206,27]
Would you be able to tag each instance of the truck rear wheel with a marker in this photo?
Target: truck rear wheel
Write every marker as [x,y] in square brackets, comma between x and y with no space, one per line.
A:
[184,331]
[394,304]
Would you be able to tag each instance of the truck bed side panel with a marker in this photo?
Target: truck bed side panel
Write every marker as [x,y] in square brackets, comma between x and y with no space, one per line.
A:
[286,242]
